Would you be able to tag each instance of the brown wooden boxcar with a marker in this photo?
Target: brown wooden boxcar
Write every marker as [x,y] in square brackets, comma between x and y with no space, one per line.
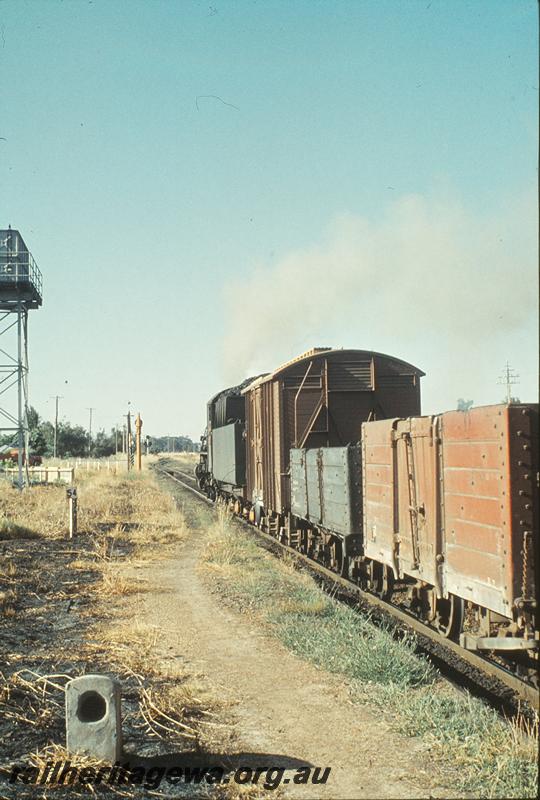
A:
[318,400]
[452,500]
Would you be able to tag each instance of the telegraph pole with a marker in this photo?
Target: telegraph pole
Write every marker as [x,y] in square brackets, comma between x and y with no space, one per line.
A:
[138,427]
[56,398]
[90,430]
[128,435]
[508,378]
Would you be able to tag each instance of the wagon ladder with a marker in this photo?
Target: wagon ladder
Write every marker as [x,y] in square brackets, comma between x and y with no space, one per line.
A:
[413,505]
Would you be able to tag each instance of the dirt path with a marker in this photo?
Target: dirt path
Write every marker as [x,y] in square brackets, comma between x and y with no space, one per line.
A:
[280,704]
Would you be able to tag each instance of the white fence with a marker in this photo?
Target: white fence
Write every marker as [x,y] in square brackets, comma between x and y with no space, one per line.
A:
[65,470]
[98,464]
[43,474]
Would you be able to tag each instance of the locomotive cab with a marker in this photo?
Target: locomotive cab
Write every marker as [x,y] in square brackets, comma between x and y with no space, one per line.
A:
[222,465]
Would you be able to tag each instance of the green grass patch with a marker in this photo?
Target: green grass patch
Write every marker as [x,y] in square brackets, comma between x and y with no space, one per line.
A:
[343,642]
[489,756]
[495,758]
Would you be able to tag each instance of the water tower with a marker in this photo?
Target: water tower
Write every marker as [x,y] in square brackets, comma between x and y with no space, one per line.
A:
[20,290]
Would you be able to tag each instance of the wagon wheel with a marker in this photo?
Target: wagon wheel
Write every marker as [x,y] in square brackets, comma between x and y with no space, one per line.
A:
[344,568]
[258,514]
[449,616]
[338,560]
[316,550]
[383,583]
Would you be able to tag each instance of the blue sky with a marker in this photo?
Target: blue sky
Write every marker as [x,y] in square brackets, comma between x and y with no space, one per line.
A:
[186,173]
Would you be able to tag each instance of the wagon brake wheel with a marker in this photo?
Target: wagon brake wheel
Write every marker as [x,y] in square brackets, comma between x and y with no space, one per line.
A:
[449,616]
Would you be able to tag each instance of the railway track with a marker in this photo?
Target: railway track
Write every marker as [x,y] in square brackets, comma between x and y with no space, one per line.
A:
[470,670]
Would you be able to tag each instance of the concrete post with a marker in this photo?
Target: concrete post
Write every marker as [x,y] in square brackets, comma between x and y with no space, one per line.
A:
[93,717]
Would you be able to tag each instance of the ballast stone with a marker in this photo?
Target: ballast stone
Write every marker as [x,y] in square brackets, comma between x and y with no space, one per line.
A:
[93,717]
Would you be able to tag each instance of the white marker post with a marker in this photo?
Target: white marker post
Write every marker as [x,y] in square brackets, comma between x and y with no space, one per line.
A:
[72,498]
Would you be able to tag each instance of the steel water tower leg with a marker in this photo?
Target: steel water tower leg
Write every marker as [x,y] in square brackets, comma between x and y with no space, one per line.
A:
[26,429]
[20,393]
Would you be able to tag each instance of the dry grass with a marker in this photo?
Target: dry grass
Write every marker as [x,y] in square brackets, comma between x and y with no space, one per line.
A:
[8,592]
[114,583]
[130,644]
[11,530]
[136,647]
[124,518]
[8,599]
[86,564]
[86,585]
[8,570]
[221,551]
[118,504]
[41,511]
[232,791]
[185,461]
[132,508]
[56,753]
[173,707]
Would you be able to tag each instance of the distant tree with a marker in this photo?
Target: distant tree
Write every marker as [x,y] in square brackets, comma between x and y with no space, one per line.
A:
[7,439]
[71,440]
[46,430]
[165,444]
[37,431]
[36,434]
[38,441]
[33,418]
[104,444]
[464,405]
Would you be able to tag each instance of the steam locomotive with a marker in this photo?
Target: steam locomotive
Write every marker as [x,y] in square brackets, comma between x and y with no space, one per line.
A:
[439,514]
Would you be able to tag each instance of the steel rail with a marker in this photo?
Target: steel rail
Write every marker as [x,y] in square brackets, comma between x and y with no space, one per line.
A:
[186,475]
[481,666]
[172,475]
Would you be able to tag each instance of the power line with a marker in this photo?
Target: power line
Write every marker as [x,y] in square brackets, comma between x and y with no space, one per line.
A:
[56,398]
[508,377]
[91,410]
